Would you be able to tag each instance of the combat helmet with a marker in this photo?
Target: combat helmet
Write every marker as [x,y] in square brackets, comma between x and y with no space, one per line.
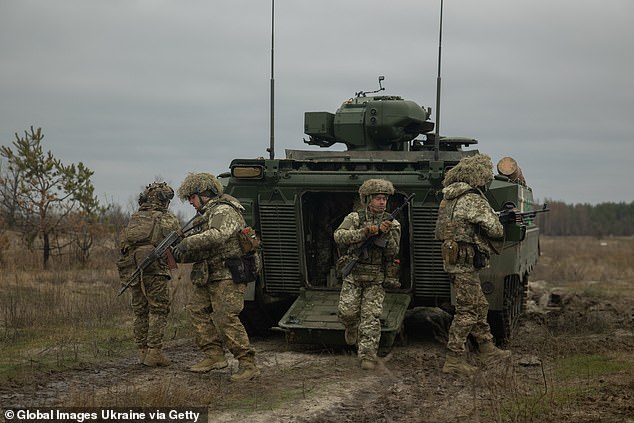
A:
[200,183]
[476,170]
[374,186]
[156,194]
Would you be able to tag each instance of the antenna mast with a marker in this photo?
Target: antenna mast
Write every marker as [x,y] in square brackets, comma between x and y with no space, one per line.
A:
[437,133]
[271,148]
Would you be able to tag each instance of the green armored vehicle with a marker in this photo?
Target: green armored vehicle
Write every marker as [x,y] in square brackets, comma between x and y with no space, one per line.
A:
[295,204]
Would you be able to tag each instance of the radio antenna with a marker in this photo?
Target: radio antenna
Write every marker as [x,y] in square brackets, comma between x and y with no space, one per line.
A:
[437,133]
[271,148]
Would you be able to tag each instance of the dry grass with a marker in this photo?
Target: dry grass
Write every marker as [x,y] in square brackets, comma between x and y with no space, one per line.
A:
[66,317]
[586,261]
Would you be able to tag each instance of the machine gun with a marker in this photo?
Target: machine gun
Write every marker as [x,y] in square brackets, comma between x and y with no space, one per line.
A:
[362,251]
[169,241]
[510,215]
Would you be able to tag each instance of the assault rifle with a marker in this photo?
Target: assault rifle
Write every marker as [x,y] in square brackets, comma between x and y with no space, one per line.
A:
[509,214]
[362,251]
[169,241]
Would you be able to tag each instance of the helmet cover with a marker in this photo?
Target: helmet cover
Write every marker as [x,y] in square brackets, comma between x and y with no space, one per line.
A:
[200,183]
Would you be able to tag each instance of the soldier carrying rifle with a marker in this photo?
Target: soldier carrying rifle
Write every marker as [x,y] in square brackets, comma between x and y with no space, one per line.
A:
[150,297]
[362,292]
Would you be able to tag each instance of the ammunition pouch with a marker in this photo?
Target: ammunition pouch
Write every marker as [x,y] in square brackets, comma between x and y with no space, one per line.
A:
[248,239]
[480,259]
[450,252]
[392,275]
[243,268]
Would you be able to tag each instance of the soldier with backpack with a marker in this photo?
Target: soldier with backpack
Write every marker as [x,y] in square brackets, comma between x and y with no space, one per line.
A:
[150,297]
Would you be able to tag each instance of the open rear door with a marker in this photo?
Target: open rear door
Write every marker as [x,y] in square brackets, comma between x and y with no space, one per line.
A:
[312,319]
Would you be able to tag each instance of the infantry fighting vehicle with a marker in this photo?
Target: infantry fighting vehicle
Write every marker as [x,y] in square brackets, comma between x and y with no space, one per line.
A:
[295,204]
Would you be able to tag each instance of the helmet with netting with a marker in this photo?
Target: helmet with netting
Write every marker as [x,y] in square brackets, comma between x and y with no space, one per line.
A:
[157,193]
[476,170]
[204,184]
[373,187]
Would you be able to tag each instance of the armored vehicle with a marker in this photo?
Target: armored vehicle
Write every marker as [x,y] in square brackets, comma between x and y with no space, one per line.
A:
[295,203]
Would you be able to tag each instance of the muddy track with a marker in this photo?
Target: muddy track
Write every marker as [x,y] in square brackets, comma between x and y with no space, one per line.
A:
[312,384]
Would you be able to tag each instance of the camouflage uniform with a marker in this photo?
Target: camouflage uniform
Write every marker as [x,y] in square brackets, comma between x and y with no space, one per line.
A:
[362,294]
[217,300]
[467,224]
[150,297]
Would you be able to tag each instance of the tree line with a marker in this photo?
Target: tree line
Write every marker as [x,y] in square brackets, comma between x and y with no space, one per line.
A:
[600,220]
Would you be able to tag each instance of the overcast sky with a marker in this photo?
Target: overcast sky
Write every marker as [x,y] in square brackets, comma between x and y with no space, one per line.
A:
[145,89]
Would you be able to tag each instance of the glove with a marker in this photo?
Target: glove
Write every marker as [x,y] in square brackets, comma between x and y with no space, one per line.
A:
[371,230]
[179,252]
[385,226]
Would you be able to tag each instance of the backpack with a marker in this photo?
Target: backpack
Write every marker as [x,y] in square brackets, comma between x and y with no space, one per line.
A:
[143,229]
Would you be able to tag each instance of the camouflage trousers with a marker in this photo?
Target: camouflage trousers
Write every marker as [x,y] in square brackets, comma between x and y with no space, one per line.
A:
[471,312]
[214,309]
[361,304]
[150,300]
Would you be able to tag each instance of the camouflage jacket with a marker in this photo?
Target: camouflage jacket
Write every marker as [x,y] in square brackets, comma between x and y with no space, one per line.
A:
[350,235]
[465,216]
[214,239]
[146,228]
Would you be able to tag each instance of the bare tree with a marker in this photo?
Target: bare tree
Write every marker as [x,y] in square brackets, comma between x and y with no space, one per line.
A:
[48,191]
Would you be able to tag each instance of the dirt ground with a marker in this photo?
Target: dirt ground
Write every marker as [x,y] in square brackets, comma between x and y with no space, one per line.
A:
[313,384]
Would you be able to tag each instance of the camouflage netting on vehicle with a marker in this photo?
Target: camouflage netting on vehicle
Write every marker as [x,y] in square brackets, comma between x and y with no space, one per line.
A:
[200,183]
[476,171]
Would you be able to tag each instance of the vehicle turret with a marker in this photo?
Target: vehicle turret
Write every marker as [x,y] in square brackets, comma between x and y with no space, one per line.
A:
[369,123]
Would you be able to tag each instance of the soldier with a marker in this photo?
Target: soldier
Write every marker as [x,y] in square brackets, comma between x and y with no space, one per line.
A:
[218,296]
[362,292]
[150,297]
[467,224]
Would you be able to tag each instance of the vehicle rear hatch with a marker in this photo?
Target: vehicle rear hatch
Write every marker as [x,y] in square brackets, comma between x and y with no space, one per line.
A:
[312,319]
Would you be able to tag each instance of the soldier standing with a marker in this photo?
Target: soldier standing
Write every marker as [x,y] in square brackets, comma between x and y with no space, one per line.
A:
[218,296]
[362,292]
[467,224]
[150,297]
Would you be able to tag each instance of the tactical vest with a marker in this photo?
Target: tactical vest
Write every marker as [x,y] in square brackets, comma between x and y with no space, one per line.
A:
[143,228]
[140,236]
[375,254]
[215,259]
[448,228]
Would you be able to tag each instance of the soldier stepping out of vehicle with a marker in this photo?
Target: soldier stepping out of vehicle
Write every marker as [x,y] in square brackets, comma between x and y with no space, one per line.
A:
[220,273]
[362,292]
[150,297]
[467,225]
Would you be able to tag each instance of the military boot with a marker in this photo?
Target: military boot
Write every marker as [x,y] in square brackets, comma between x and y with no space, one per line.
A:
[367,364]
[247,370]
[351,335]
[155,358]
[213,361]
[489,353]
[456,364]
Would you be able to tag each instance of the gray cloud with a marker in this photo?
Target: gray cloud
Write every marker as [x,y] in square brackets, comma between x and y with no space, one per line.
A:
[140,89]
